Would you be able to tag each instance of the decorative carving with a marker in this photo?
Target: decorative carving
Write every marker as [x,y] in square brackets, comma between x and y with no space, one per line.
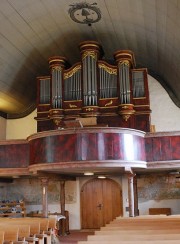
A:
[89,53]
[109,103]
[72,106]
[89,109]
[108,69]
[57,121]
[71,72]
[124,107]
[126,117]
[126,62]
[84,13]
[58,68]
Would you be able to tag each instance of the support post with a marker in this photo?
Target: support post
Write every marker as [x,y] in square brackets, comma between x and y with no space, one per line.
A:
[44,183]
[136,210]
[131,194]
[62,222]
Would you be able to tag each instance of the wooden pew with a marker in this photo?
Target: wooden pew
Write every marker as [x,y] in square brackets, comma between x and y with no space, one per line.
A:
[1,237]
[136,230]
[41,229]
[11,233]
[135,237]
[24,232]
[34,227]
[113,231]
[131,242]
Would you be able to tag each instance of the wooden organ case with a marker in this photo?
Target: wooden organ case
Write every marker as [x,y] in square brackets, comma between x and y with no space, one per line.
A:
[117,95]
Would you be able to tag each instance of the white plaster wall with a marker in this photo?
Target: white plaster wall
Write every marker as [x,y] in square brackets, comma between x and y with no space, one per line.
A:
[21,128]
[73,208]
[125,195]
[165,114]
[3,128]
[174,204]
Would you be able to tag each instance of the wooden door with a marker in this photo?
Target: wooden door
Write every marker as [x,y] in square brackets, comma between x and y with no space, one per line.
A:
[101,202]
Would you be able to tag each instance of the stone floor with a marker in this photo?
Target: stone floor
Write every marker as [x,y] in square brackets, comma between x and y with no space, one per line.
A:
[74,237]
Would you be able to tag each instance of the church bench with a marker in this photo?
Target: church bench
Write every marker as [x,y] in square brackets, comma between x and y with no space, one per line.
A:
[146,219]
[11,234]
[132,230]
[135,237]
[112,231]
[136,227]
[46,224]
[34,227]
[24,232]
[130,242]
[39,228]
[44,228]
[1,237]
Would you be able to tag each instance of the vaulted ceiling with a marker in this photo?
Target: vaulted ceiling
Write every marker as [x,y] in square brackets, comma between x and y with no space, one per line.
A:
[31,31]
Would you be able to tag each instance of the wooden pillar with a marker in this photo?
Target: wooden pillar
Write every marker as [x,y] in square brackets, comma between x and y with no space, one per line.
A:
[131,194]
[62,223]
[136,210]
[44,182]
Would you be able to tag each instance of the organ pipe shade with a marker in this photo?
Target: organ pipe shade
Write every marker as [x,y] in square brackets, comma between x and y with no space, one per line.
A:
[72,84]
[138,84]
[124,82]
[45,91]
[90,80]
[57,87]
[108,82]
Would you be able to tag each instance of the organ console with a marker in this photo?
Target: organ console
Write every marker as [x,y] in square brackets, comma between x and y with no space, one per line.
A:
[117,95]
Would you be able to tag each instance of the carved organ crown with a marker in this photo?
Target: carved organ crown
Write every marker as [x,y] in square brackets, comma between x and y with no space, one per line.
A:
[116,94]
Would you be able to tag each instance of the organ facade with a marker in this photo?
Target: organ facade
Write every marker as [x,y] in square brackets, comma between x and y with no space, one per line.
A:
[117,95]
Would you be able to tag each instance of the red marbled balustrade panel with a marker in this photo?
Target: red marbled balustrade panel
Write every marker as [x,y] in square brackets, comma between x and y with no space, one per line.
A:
[162,146]
[87,145]
[14,154]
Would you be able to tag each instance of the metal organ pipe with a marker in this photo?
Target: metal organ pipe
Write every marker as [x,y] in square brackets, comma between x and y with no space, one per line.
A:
[90,52]
[72,84]
[124,82]
[57,87]
[57,64]
[84,82]
[108,81]
[89,81]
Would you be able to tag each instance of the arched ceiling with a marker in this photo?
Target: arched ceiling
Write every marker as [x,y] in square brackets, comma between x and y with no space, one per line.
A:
[31,31]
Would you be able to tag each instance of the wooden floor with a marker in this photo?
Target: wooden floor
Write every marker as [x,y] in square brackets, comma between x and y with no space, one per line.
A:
[74,237]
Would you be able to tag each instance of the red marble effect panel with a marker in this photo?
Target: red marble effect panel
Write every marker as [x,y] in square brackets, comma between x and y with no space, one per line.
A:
[162,148]
[14,155]
[175,145]
[87,147]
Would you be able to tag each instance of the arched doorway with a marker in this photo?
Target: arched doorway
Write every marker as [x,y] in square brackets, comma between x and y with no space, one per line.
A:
[101,202]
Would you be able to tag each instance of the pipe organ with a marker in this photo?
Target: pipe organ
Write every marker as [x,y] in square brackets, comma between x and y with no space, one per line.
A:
[117,95]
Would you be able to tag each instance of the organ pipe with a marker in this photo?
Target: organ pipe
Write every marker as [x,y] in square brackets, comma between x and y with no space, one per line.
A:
[90,52]
[45,91]
[108,81]
[57,65]
[72,84]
